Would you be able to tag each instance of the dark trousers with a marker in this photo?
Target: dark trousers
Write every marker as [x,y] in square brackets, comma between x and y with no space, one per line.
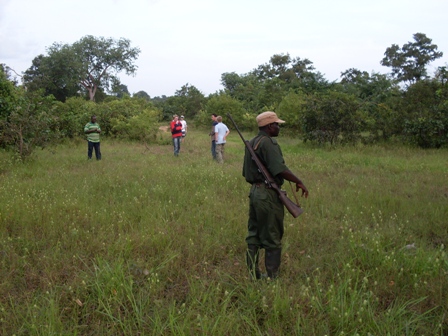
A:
[213,149]
[90,147]
[266,215]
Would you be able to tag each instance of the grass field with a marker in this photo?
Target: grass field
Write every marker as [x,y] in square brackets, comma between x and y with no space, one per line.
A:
[145,243]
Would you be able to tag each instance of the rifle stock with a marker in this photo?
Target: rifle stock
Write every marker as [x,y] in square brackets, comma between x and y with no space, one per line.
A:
[294,209]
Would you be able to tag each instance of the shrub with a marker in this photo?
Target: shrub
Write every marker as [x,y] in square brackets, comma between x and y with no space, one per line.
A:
[28,124]
[141,127]
[332,117]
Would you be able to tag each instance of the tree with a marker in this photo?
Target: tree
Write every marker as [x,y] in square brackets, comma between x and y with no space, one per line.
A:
[8,97]
[13,78]
[373,88]
[245,88]
[425,121]
[442,75]
[231,81]
[332,117]
[264,87]
[28,125]
[291,109]
[53,74]
[188,100]
[374,93]
[223,104]
[102,59]
[409,62]
[120,90]
[88,65]
[285,68]
[142,94]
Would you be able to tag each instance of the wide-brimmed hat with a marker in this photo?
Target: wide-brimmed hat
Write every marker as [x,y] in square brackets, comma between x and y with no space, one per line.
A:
[267,118]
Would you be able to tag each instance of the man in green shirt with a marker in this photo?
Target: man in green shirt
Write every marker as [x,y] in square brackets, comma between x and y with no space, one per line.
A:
[93,130]
[266,212]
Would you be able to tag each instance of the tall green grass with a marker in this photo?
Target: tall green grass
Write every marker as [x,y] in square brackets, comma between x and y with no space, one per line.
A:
[143,242]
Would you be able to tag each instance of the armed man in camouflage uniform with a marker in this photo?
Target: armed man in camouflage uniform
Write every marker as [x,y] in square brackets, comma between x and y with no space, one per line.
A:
[266,212]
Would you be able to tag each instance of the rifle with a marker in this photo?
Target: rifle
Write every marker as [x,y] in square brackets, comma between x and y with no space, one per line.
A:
[294,209]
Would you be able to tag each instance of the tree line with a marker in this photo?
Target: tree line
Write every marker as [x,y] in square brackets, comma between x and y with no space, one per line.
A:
[61,89]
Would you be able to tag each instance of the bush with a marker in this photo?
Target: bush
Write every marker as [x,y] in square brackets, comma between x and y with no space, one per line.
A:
[141,127]
[28,125]
[332,117]
[426,122]
[428,131]
[71,116]
[291,109]
[221,105]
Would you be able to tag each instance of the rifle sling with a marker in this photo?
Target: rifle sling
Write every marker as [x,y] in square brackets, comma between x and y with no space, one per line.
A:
[255,148]
[258,143]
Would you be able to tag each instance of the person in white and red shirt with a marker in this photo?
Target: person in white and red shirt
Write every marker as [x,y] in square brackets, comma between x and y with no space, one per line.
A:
[176,133]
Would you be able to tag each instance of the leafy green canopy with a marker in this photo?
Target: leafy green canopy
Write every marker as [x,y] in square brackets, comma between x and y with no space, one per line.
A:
[89,65]
[409,62]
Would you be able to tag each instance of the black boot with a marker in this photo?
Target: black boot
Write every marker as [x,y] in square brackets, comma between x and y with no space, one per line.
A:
[272,261]
[252,261]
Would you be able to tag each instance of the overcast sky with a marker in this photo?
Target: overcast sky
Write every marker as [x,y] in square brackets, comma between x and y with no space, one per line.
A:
[195,41]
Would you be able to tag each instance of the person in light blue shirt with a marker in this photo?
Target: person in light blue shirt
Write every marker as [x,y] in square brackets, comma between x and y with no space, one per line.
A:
[221,133]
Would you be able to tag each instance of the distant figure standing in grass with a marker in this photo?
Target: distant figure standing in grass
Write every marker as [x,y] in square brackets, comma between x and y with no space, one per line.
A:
[212,136]
[93,130]
[266,212]
[176,133]
[184,127]
[221,133]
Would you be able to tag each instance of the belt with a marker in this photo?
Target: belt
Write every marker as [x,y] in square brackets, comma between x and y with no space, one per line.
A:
[260,184]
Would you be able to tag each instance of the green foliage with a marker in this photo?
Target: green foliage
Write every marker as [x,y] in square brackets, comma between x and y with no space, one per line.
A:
[265,87]
[367,106]
[381,122]
[288,70]
[441,75]
[291,110]
[244,88]
[409,62]
[428,132]
[7,95]
[71,116]
[28,125]
[101,59]
[283,74]
[140,127]
[223,104]
[55,74]
[127,118]
[333,117]
[376,94]
[120,90]
[376,88]
[426,120]
[26,118]
[88,65]
[187,101]
[142,94]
